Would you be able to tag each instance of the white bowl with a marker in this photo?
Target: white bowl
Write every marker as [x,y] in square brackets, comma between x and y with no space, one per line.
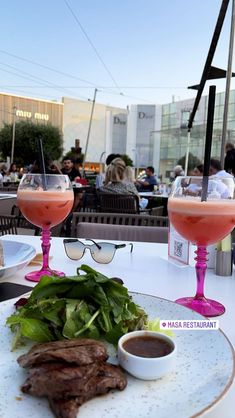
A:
[17,255]
[146,368]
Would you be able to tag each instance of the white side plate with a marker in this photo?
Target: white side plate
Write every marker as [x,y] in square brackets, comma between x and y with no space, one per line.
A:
[16,256]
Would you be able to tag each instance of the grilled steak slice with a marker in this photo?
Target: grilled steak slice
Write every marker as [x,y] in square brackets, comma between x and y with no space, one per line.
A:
[80,351]
[57,380]
[64,408]
[69,373]
[110,377]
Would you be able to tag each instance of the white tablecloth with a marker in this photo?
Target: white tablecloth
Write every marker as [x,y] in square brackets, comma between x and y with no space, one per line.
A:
[147,270]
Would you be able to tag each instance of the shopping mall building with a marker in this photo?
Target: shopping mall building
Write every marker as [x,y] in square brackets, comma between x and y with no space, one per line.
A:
[150,134]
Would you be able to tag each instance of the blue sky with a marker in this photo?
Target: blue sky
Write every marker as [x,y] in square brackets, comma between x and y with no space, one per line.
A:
[149,50]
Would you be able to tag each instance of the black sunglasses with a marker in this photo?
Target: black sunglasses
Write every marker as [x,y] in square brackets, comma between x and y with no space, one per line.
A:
[101,252]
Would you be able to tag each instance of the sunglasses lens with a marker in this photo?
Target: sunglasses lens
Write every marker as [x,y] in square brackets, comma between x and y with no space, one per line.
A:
[74,250]
[103,255]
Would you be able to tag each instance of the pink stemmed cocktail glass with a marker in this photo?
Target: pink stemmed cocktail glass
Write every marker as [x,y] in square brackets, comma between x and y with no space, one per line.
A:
[203,223]
[45,201]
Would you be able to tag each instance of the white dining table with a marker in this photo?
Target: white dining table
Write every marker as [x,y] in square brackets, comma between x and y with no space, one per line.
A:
[148,270]
[4,196]
[154,194]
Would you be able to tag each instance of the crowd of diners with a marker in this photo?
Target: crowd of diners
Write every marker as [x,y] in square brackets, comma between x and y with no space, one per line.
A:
[118,177]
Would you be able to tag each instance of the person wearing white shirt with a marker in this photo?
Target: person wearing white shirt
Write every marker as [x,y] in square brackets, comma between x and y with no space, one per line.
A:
[216,169]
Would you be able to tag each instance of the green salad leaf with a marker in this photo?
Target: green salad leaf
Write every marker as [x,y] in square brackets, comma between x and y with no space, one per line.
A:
[87,305]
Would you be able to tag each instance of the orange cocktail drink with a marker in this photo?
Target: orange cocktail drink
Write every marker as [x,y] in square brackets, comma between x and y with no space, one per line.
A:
[202,223]
[45,208]
[45,200]
[202,215]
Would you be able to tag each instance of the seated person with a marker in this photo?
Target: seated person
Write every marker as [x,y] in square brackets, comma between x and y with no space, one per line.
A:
[198,170]
[195,184]
[149,181]
[13,172]
[129,178]
[229,161]
[114,179]
[3,170]
[178,171]
[100,178]
[216,169]
[74,174]
[217,187]
[70,169]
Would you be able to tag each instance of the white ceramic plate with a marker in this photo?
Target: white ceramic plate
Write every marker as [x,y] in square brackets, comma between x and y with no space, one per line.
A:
[204,372]
[16,256]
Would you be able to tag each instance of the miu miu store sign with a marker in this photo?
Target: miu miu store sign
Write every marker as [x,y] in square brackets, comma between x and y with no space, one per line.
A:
[29,115]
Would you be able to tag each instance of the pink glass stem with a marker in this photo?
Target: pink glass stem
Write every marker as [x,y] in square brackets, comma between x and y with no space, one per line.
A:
[46,237]
[35,276]
[198,303]
[200,266]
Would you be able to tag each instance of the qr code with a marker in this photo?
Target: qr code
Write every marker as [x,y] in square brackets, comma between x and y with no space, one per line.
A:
[178,249]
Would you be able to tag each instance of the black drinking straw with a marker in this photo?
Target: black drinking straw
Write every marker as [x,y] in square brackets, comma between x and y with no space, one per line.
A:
[42,164]
[209,132]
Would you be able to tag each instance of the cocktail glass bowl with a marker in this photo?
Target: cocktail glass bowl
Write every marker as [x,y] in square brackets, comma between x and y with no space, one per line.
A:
[45,201]
[202,210]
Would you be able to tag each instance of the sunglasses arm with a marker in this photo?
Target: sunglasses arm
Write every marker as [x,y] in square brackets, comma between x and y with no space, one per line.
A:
[97,245]
[67,241]
[123,245]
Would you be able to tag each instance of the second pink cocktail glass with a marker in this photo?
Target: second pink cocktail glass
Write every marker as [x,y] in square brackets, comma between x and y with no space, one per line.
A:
[45,201]
[203,223]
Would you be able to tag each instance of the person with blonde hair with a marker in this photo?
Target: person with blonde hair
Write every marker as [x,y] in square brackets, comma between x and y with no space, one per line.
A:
[114,179]
[117,180]
[130,179]
[129,175]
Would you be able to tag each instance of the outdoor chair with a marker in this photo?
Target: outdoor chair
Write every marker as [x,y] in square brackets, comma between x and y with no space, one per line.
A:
[23,225]
[6,205]
[90,202]
[10,188]
[157,211]
[122,232]
[119,219]
[118,203]
[8,224]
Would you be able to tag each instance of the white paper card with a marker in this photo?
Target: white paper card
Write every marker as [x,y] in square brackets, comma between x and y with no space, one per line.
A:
[178,247]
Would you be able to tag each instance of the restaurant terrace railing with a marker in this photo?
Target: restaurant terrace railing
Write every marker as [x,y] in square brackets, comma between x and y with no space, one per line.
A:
[117,219]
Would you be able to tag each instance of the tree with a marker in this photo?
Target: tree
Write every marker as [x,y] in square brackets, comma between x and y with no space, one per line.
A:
[75,155]
[193,161]
[26,135]
[127,159]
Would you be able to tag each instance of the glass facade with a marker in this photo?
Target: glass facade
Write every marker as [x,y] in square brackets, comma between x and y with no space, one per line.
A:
[174,133]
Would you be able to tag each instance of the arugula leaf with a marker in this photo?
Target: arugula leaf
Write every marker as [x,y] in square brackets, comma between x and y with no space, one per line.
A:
[53,311]
[77,313]
[115,333]
[33,329]
[89,304]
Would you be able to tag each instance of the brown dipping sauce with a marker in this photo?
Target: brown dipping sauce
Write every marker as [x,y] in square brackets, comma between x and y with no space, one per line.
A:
[148,346]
